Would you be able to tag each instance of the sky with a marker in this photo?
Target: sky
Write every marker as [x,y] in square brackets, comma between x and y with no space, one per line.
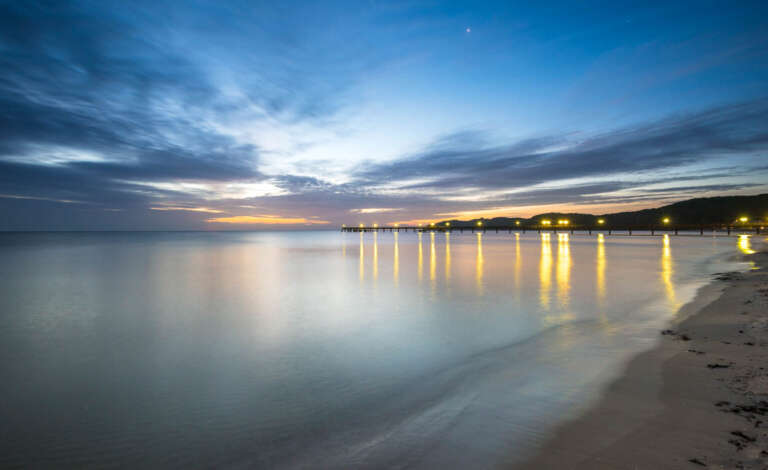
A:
[221,115]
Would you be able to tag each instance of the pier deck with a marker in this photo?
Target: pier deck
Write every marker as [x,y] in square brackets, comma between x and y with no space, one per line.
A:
[573,229]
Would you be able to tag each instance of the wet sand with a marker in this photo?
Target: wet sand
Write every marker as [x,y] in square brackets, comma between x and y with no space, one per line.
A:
[698,400]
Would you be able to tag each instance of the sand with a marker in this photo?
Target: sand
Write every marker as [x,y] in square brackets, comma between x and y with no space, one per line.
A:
[698,400]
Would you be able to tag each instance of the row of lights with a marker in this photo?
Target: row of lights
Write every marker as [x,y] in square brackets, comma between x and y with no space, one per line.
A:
[559,222]
[665,220]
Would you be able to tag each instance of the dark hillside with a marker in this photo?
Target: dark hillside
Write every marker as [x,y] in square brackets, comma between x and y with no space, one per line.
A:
[704,211]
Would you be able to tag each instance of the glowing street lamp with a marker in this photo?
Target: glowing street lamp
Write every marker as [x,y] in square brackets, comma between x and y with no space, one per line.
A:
[517,222]
[479,223]
[375,225]
[546,222]
[665,220]
[601,221]
[447,224]
[397,225]
[361,226]
[432,224]
[743,220]
[563,222]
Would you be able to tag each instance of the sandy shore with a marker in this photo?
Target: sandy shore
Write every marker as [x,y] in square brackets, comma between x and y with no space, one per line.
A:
[698,400]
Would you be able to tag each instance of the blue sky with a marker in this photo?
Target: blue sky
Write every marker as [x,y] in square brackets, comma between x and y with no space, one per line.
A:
[230,115]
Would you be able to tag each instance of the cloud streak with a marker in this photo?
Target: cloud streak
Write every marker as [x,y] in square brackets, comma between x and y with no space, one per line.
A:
[668,144]
[266,220]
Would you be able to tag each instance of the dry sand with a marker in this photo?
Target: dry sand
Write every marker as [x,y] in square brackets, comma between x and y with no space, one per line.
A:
[698,400]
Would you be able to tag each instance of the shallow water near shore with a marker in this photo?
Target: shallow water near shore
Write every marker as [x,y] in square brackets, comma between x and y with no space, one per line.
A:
[322,349]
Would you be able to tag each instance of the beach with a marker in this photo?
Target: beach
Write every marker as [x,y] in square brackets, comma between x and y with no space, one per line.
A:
[697,400]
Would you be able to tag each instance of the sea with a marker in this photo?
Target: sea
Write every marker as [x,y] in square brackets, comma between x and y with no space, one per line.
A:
[323,349]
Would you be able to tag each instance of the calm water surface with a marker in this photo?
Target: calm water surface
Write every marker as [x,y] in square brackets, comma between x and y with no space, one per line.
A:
[321,349]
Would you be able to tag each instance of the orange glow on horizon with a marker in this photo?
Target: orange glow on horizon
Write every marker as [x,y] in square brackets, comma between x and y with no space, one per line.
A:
[530,211]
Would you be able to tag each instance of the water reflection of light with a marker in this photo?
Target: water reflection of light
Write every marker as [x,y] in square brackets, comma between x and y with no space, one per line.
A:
[667,271]
[518,265]
[744,245]
[545,271]
[375,255]
[479,264]
[396,262]
[421,260]
[362,258]
[600,268]
[447,256]
[563,269]
[432,257]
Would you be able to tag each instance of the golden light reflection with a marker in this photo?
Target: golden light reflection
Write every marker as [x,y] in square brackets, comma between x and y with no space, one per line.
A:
[545,271]
[375,256]
[479,264]
[744,245]
[667,272]
[432,259]
[600,268]
[362,258]
[518,265]
[421,259]
[396,262]
[447,256]
[563,269]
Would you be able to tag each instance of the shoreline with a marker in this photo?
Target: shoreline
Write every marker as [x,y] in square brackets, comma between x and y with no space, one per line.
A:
[699,399]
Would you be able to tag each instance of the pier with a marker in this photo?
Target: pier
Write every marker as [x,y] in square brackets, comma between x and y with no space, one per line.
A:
[626,230]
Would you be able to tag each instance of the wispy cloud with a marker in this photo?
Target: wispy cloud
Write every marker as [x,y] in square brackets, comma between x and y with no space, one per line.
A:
[375,210]
[189,209]
[667,144]
[266,220]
